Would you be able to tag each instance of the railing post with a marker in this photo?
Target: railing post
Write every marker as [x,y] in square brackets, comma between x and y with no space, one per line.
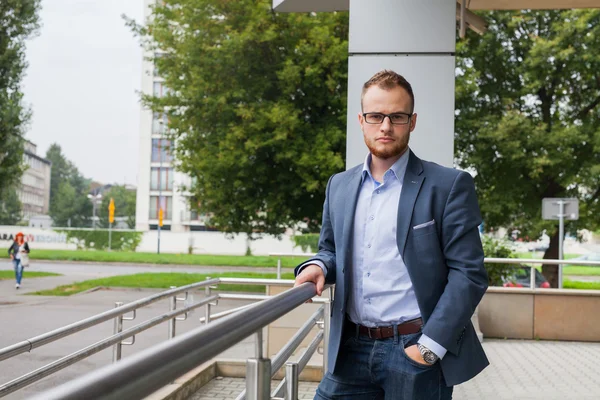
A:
[258,379]
[291,381]
[207,291]
[259,343]
[118,327]
[172,307]
[279,268]
[326,324]
[532,278]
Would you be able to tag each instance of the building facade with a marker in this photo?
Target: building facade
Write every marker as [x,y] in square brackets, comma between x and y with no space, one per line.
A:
[158,184]
[34,191]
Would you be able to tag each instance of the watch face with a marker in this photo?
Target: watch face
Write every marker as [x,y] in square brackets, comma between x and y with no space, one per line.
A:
[429,357]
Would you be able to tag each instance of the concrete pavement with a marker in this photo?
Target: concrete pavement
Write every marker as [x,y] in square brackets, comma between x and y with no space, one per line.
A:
[520,369]
[524,370]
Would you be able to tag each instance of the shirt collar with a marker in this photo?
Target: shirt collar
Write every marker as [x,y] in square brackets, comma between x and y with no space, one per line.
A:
[398,168]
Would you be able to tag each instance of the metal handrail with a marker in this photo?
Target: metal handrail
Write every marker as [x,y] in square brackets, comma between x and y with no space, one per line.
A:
[49,337]
[141,374]
[485,260]
[539,261]
[285,353]
[302,362]
[88,351]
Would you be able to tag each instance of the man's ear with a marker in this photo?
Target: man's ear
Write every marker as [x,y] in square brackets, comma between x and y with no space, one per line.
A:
[413,122]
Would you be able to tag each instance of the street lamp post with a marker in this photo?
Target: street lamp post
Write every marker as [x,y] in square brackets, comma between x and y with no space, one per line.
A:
[95,200]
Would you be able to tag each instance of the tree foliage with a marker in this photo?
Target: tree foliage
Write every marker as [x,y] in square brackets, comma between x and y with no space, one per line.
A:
[69,205]
[528,118]
[18,21]
[124,206]
[256,108]
[10,208]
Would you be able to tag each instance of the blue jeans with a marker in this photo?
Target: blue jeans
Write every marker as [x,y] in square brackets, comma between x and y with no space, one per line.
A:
[370,369]
[18,270]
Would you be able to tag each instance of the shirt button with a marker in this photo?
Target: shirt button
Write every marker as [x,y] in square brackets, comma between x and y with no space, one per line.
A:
[372,217]
[368,274]
[369,246]
[378,191]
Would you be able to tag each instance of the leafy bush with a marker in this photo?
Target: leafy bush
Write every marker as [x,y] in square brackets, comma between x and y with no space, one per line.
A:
[494,248]
[307,241]
[98,239]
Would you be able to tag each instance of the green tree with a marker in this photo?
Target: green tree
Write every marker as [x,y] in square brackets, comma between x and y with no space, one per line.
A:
[10,208]
[18,21]
[124,206]
[528,121]
[68,192]
[256,108]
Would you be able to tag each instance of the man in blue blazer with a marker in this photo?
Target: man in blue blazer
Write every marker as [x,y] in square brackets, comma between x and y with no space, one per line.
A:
[399,240]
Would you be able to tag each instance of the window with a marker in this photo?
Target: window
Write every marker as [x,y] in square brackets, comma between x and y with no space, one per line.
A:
[167,206]
[161,151]
[156,57]
[159,123]
[160,90]
[161,179]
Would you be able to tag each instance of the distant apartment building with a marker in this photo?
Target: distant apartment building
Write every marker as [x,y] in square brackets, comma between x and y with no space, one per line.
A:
[34,191]
[158,184]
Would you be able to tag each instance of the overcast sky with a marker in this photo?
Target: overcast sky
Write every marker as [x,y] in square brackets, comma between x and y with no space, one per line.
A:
[82,85]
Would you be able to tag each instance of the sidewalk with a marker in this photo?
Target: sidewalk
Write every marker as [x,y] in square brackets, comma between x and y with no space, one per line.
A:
[519,369]
[524,370]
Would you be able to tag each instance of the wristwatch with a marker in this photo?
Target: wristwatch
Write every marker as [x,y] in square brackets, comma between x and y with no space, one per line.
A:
[429,356]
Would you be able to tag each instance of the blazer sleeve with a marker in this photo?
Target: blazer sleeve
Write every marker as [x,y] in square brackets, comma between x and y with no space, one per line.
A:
[467,277]
[326,253]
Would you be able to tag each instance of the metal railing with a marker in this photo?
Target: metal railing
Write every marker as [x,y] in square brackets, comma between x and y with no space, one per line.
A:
[117,339]
[490,260]
[143,373]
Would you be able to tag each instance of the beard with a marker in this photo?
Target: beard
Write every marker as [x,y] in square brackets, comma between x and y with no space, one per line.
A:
[385,151]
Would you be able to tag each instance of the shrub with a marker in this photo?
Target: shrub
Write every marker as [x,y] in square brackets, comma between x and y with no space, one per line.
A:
[494,248]
[98,239]
[307,241]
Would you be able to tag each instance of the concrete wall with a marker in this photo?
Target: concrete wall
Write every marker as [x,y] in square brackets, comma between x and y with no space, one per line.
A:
[170,242]
[549,314]
[214,243]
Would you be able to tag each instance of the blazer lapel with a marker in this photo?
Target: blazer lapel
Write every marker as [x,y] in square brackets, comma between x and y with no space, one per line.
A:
[413,179]
[350,198]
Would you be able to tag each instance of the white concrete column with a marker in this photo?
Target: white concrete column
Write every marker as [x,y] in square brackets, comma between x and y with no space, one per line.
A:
[417,40]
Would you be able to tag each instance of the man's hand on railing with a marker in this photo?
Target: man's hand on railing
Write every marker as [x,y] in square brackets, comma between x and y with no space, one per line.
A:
[312,273]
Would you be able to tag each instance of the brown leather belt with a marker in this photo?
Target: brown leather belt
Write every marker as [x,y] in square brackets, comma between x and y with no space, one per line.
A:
[384,332]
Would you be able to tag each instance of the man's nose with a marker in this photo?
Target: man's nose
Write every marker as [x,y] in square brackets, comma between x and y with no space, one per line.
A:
[386,124]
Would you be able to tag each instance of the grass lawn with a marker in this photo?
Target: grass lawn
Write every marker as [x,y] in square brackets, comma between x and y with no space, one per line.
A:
[11,275]
[567,270]
[174,259]
[159,281]
[567,284]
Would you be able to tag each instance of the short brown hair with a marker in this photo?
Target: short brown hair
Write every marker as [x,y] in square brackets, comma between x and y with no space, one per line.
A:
[387,80]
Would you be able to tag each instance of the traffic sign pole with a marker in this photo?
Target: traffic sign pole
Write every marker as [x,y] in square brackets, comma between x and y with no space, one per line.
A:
[561,238]
[111,220]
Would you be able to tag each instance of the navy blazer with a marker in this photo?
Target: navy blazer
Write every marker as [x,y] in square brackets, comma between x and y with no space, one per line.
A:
[444,259]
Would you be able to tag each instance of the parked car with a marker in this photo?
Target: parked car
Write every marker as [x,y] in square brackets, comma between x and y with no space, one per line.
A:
[585,257]
[522,278]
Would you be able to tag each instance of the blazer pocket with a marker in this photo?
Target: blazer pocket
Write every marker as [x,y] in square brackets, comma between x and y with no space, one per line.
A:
[424,229]
[424,225]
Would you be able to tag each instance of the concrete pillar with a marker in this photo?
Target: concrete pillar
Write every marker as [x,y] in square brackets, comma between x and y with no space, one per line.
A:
[417,40]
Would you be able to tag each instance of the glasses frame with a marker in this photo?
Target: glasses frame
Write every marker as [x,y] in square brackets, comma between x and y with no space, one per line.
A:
[389,116]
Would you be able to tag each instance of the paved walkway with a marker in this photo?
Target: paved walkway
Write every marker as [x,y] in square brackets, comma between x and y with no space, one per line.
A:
[519,369]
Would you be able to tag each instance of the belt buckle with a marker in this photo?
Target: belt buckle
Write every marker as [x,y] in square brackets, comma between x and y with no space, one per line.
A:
[369,331]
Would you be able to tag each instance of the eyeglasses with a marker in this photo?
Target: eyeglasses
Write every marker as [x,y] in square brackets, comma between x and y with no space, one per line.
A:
[395,119]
